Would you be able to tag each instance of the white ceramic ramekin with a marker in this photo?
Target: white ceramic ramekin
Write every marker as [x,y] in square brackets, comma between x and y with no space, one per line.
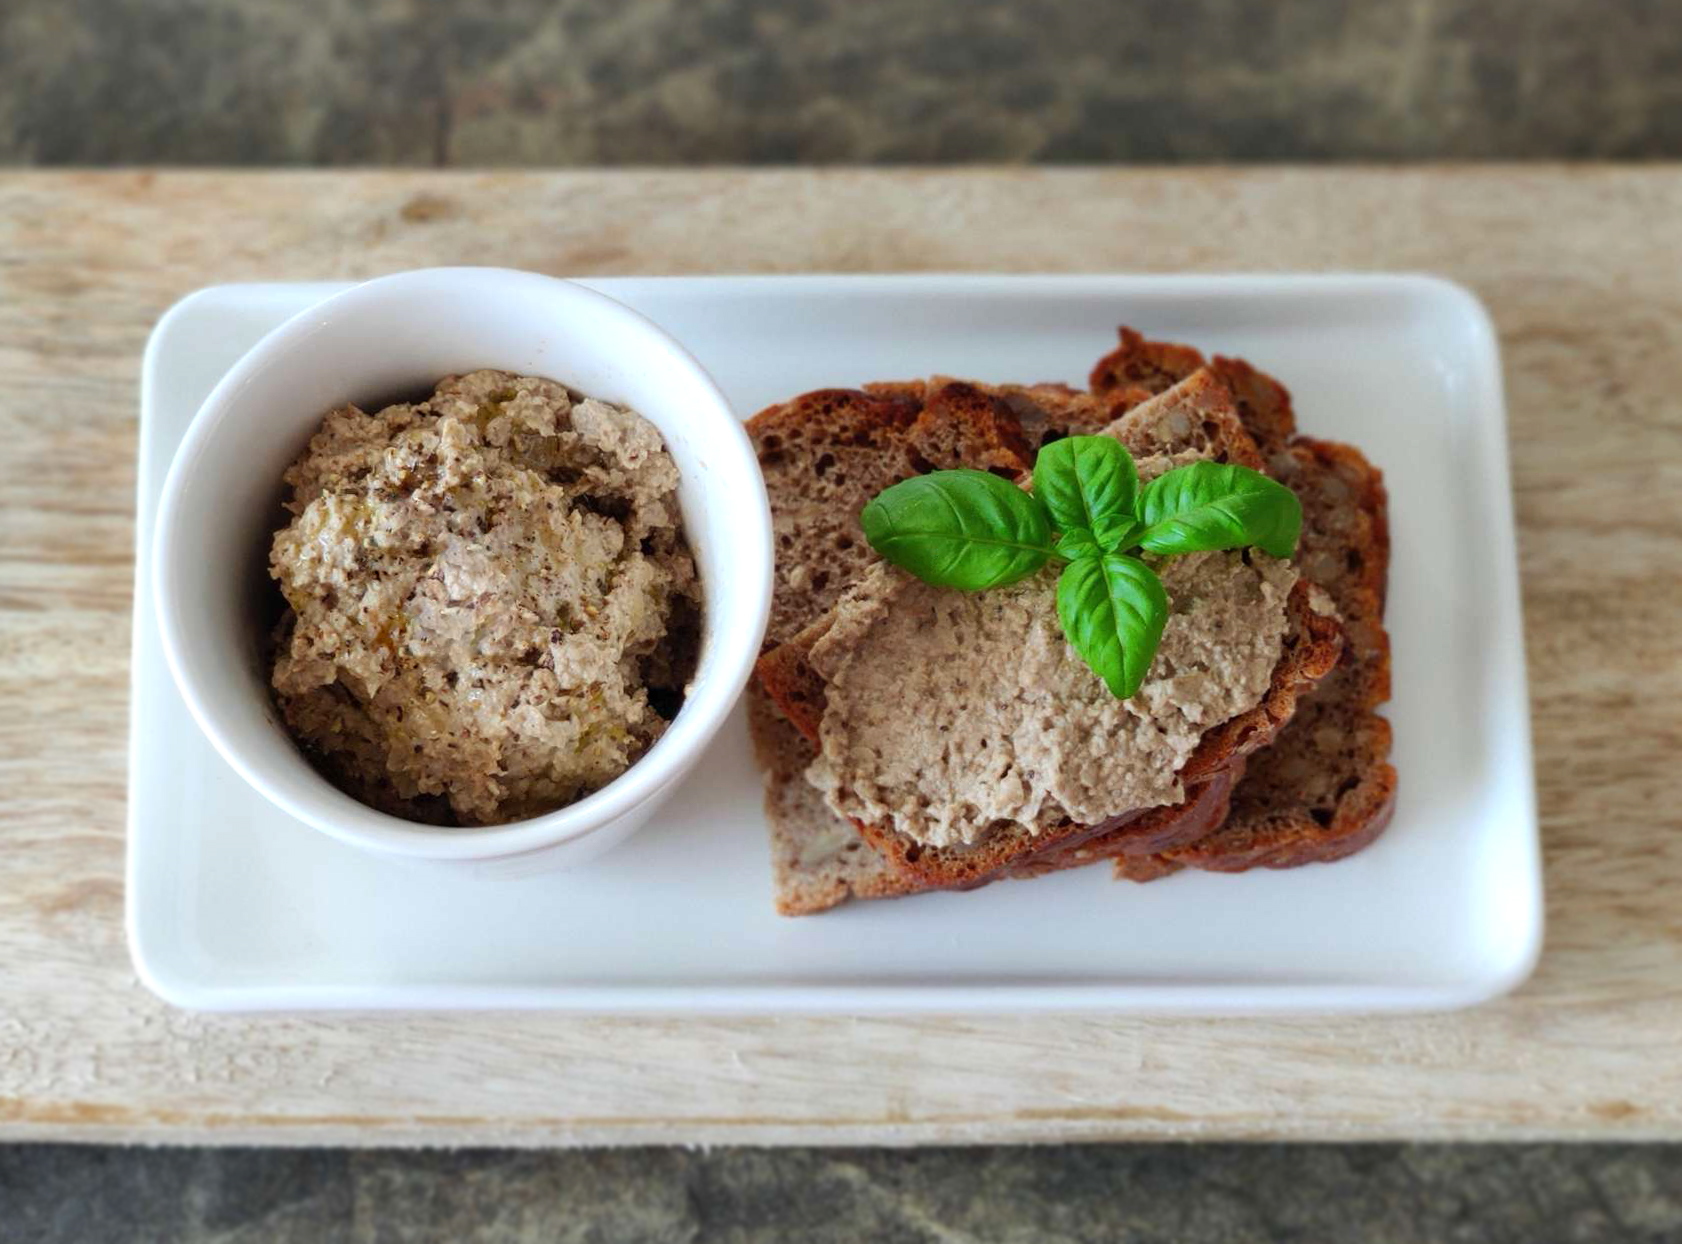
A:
[392,338]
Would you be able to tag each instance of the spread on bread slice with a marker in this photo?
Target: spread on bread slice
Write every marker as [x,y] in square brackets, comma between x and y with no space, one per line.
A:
[1325,788]
[1309,647]
[1269,789]
[824,455]
[1067,826]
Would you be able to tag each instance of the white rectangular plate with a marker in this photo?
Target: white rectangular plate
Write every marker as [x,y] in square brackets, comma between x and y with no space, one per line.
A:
[233,906]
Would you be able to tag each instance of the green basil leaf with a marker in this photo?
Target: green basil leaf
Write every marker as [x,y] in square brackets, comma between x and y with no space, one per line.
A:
[1117,535]
[1113,609]
[1086,482]
[963,529]
[1077,543]
[1213,505]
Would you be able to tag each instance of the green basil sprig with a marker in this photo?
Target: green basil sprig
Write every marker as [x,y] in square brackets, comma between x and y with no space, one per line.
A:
[964,529]
[1113,609]
[972,531]
[1214,505]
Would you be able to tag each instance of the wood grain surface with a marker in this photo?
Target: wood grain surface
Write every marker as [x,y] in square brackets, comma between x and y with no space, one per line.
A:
[1582,269]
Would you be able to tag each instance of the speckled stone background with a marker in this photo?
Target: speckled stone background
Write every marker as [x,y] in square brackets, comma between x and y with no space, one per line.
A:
[702,81]
[1380,1194]
[554,82]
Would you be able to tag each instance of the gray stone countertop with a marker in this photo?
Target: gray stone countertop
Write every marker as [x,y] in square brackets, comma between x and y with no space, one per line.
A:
[1181,1194]
[535,82]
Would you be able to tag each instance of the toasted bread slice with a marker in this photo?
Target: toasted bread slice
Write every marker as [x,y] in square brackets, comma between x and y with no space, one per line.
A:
[816,864]
[1138,368]
[1325,788]
[1196,415]
[818,859]
[935,423]
[1049,412]
[824,454]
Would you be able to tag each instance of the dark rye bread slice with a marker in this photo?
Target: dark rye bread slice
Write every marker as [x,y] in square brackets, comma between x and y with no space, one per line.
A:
[1198,416]
[1049,412]
[1312,643]
[1325,788]
[1138,368]
[818,860]
[887,432]
[824,454]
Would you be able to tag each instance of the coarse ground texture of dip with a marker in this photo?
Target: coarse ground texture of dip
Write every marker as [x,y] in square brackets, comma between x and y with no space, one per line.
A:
[493,611]
[948,712]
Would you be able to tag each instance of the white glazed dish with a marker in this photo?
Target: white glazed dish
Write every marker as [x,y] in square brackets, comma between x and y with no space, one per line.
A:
[395,337]
[235,906]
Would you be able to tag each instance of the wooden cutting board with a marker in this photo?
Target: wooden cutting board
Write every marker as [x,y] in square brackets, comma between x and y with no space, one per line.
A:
[1582,269]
